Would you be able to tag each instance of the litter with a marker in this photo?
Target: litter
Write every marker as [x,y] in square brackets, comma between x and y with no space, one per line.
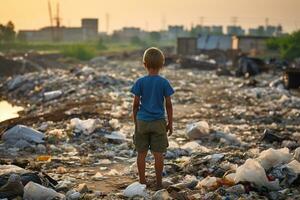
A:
[135,189]
[251,171]
[270,158]
[197,130]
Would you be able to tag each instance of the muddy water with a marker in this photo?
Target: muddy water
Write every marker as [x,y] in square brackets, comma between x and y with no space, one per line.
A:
[8,111]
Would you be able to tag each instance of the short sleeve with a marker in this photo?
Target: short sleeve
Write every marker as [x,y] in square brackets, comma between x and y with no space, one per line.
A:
[136,89]
[168,90]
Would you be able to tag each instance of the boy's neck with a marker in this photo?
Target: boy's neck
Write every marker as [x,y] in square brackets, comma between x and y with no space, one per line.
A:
[152,72]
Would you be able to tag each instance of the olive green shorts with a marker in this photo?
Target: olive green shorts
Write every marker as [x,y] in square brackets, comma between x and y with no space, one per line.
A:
[151,135]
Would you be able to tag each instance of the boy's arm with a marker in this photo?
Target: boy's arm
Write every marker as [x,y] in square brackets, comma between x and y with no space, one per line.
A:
[169,109]
[135,107]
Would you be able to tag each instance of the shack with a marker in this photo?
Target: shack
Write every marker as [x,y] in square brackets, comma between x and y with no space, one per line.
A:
[250,44]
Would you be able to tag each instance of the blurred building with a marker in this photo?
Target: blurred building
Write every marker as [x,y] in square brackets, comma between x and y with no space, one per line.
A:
[206,30]
[269,31]
[129,33]
[235,30]
[87,31]
[225,43]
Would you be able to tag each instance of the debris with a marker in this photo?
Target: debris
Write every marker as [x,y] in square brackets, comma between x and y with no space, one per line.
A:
[161,195]
[84,126]
[35,191]
[251,171]
[44,158]
[297,154]
[209,183]
[82,188]
[21,132]
[98,177]
[135,189]
[116,136]
[13,188]
[52,95]
[270,158]
[197,130]
[271,137]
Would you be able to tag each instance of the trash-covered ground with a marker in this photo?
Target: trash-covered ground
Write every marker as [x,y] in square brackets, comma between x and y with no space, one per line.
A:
[233,137]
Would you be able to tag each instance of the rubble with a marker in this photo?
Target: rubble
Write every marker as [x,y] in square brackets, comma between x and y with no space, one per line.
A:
[233,137]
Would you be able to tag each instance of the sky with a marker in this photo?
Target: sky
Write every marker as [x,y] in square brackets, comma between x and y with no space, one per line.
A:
[154,14]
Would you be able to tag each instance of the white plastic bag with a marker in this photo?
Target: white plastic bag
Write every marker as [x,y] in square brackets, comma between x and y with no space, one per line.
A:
[197,130]
[85,126]
[34,191]
[135,189]
[271,157]
[251,171]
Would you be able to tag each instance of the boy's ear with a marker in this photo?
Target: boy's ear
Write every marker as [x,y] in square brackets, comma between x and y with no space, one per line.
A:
[145,65]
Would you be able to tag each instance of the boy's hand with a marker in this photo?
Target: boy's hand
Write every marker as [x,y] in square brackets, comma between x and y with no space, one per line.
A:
[170,129]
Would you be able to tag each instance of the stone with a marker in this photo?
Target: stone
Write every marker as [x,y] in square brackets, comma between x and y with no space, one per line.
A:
[82,188]
[161,195]
[52,95]
[21,132]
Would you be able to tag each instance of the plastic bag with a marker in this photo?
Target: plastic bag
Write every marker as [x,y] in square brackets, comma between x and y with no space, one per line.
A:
[135,189]
[197,130]
[34,191]
[85,126]
[251,171]
[271,157]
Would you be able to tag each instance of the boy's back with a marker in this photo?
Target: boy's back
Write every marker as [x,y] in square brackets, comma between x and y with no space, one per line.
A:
[152,89]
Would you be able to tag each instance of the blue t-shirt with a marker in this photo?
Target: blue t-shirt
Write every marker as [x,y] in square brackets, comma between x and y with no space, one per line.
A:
[152,90]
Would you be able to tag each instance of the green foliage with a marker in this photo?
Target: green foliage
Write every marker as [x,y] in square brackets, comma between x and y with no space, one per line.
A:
[288,46]
[155,36]
[79,51]
[7,32]
[137,41]
[101,45]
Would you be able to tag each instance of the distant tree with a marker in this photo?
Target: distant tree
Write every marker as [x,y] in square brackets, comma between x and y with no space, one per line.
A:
[101,44]
[136,41]
[288,46]
[7,32]
[155,36]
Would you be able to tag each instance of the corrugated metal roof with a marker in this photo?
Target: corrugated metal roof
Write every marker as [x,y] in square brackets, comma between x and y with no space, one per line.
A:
[210,42]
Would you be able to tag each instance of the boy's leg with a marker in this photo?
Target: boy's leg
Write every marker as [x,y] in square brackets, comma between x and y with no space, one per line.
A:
[159,165]
[141,164]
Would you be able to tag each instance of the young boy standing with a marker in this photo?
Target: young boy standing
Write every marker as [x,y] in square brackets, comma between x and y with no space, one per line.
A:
[151,93]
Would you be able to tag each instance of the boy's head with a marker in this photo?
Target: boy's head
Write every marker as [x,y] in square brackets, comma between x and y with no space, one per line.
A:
[153,58]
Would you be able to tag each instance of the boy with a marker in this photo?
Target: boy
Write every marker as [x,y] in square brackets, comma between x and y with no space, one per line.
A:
[151,129]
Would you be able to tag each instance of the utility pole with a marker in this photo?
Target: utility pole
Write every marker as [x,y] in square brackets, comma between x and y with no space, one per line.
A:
[107,19]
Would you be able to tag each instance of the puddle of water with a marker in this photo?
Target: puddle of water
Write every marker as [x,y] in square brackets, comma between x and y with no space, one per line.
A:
[8,111]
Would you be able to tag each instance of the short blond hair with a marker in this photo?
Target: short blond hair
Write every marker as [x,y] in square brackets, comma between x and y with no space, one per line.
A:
[154,58]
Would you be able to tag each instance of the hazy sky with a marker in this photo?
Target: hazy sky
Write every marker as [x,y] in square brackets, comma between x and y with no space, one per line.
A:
[153,14]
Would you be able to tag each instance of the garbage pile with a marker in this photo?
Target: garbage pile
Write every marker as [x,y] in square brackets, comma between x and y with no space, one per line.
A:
[233,138]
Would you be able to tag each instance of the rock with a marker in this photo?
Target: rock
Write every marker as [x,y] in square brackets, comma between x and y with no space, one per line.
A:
[197,130]
[297,154]
[84,126]
[61,170]
[52,95]
[40,148]
[161,195]
[21,132]
[209,183]
[82,188]
[135,189]
[34,191]
[16,82]
[13,188]
[236,189]
[98,176]
[73,195]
